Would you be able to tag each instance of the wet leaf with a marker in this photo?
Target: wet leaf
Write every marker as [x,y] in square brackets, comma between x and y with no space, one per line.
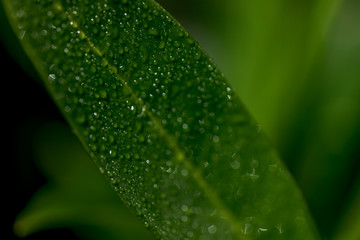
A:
[159,120]
[314,125]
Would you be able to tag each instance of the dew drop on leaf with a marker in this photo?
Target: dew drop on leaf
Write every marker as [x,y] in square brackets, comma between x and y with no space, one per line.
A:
[212,229]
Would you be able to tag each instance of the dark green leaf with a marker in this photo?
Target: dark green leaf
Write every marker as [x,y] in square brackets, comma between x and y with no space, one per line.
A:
[160,121]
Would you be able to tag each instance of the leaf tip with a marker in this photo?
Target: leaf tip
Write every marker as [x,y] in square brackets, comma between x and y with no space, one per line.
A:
[21,228]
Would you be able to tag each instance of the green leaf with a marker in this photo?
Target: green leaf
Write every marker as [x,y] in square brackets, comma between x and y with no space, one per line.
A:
[315,125]
[9,40]
[160,121]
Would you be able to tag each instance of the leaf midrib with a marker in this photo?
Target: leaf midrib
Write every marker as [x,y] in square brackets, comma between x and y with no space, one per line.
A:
[212,196]
[180,155]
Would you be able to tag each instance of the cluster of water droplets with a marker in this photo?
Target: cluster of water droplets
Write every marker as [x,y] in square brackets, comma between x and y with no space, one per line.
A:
[157,117]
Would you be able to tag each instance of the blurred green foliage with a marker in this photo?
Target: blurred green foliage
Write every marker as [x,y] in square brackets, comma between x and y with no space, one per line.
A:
[294,63]
[76,195]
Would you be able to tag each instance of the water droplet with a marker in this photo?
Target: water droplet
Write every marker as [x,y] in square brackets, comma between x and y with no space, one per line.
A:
[80,117]
[212,229]
[279,227]
[112,153]
[57,6]
[162,45]
[51,77]
[253,176]
[216,139]
[184,218]
[272,167]
[235,164]
[184,172]
[103,93]
[154,32]
[247,228]
[190,40]
[67,108]
[81,34]
[197,55]
[184,208]
[262,230]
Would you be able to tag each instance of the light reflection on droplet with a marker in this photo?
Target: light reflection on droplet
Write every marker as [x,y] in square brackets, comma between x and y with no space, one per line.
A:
[212,229]
[235,164]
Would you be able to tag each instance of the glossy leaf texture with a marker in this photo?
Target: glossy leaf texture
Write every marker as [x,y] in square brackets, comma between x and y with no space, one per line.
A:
[160,121]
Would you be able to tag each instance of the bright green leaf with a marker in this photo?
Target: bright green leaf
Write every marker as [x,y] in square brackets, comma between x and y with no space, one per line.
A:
[160,121]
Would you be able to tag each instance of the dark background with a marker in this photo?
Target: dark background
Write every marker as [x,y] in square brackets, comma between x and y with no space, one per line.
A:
[25,107]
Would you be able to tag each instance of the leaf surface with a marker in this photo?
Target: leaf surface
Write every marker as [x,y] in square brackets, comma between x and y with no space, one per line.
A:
[160,121]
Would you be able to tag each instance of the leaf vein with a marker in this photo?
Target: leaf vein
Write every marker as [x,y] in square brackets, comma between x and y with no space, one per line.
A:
[235,223]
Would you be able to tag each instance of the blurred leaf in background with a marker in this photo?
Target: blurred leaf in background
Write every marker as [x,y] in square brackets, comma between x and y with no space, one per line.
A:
[76,195]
